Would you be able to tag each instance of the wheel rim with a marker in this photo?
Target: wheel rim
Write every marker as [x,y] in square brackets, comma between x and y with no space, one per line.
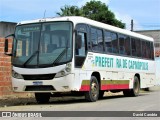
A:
[94,89]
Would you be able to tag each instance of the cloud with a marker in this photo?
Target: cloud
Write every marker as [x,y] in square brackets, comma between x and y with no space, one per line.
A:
[125,18]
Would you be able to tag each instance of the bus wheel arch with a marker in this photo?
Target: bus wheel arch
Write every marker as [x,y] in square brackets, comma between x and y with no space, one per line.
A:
[93,94]
[136,87]
[97,75]
[138,76]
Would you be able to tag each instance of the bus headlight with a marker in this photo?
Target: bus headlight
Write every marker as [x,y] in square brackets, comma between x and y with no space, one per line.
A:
[62,73]
[16,75]
[68,67]
[65,71]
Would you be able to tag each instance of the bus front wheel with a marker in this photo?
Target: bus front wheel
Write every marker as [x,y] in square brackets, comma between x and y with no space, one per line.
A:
[93,94]
[136,88]
[42,97]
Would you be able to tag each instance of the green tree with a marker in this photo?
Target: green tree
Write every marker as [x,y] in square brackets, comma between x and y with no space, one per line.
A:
[70,11]
[98,11]
[95,10]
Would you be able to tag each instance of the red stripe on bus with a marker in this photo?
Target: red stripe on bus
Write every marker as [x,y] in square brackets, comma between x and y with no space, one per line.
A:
[85,88]
[112,87]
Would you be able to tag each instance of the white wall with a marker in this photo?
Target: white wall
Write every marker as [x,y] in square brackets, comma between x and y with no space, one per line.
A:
[157,59]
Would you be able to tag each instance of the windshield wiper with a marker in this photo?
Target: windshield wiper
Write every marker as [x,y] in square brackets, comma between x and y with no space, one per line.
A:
[30,58]
[59,57]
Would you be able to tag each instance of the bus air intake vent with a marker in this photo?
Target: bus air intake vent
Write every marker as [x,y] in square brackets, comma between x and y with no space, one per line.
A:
[40,88]
[39,77]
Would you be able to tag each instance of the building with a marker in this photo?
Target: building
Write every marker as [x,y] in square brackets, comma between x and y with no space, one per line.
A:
[155,34]
[6,28]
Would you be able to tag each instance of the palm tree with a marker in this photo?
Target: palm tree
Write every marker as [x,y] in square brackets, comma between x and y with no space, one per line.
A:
[70,11]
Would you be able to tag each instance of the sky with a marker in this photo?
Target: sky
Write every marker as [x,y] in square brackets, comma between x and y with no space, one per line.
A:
[145,13]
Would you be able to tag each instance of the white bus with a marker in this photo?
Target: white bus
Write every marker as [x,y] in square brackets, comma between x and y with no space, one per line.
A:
[76,54]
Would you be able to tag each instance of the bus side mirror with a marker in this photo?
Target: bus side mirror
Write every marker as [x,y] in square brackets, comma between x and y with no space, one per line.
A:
[78,41]
[6,46]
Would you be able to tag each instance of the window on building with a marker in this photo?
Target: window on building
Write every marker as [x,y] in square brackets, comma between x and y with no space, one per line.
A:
[157,45]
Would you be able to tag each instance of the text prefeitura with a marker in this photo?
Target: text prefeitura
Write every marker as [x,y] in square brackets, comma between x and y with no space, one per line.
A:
[120,63]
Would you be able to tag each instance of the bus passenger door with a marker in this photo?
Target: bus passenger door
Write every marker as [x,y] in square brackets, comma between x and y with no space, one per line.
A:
[80,45]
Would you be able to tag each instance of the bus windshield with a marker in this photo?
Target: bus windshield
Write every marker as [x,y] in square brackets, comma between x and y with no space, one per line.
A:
[42,44]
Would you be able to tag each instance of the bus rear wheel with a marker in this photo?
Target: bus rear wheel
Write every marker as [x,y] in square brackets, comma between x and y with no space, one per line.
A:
[42,97]
[93,94]
[136,88]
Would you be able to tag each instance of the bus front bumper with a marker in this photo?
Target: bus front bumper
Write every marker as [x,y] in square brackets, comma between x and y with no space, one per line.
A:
[62,84]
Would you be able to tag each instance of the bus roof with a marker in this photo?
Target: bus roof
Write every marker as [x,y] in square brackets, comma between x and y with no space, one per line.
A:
[78,19]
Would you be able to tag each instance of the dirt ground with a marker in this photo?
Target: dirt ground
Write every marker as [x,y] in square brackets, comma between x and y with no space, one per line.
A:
[16,100]
[30,99]
[27,100]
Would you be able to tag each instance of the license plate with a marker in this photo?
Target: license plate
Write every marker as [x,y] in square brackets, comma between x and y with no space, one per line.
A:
[37,83]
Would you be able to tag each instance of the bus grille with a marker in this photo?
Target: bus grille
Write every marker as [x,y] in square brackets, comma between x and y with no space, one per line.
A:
[40,88]
[39,77]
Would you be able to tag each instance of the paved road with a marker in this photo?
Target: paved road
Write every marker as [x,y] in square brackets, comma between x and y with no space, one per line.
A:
[147,101]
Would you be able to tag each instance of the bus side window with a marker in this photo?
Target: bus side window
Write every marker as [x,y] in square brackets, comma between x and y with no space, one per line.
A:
[100,40]
[81,51]
[143,49]
[138,48]
[148,50]
[127,46]
[94,39]
[108,41]
[133,47]
[97,40]
[152,51]
[114,43]
[122,44]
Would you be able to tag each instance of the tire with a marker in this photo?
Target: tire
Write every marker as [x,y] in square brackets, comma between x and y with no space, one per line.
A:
[101,93]
[136,88]
[93,94]
[126,93]
[42,97]
[146,89]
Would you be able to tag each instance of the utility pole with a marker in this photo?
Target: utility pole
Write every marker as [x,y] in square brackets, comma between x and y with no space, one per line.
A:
[132,25]
[44,14]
